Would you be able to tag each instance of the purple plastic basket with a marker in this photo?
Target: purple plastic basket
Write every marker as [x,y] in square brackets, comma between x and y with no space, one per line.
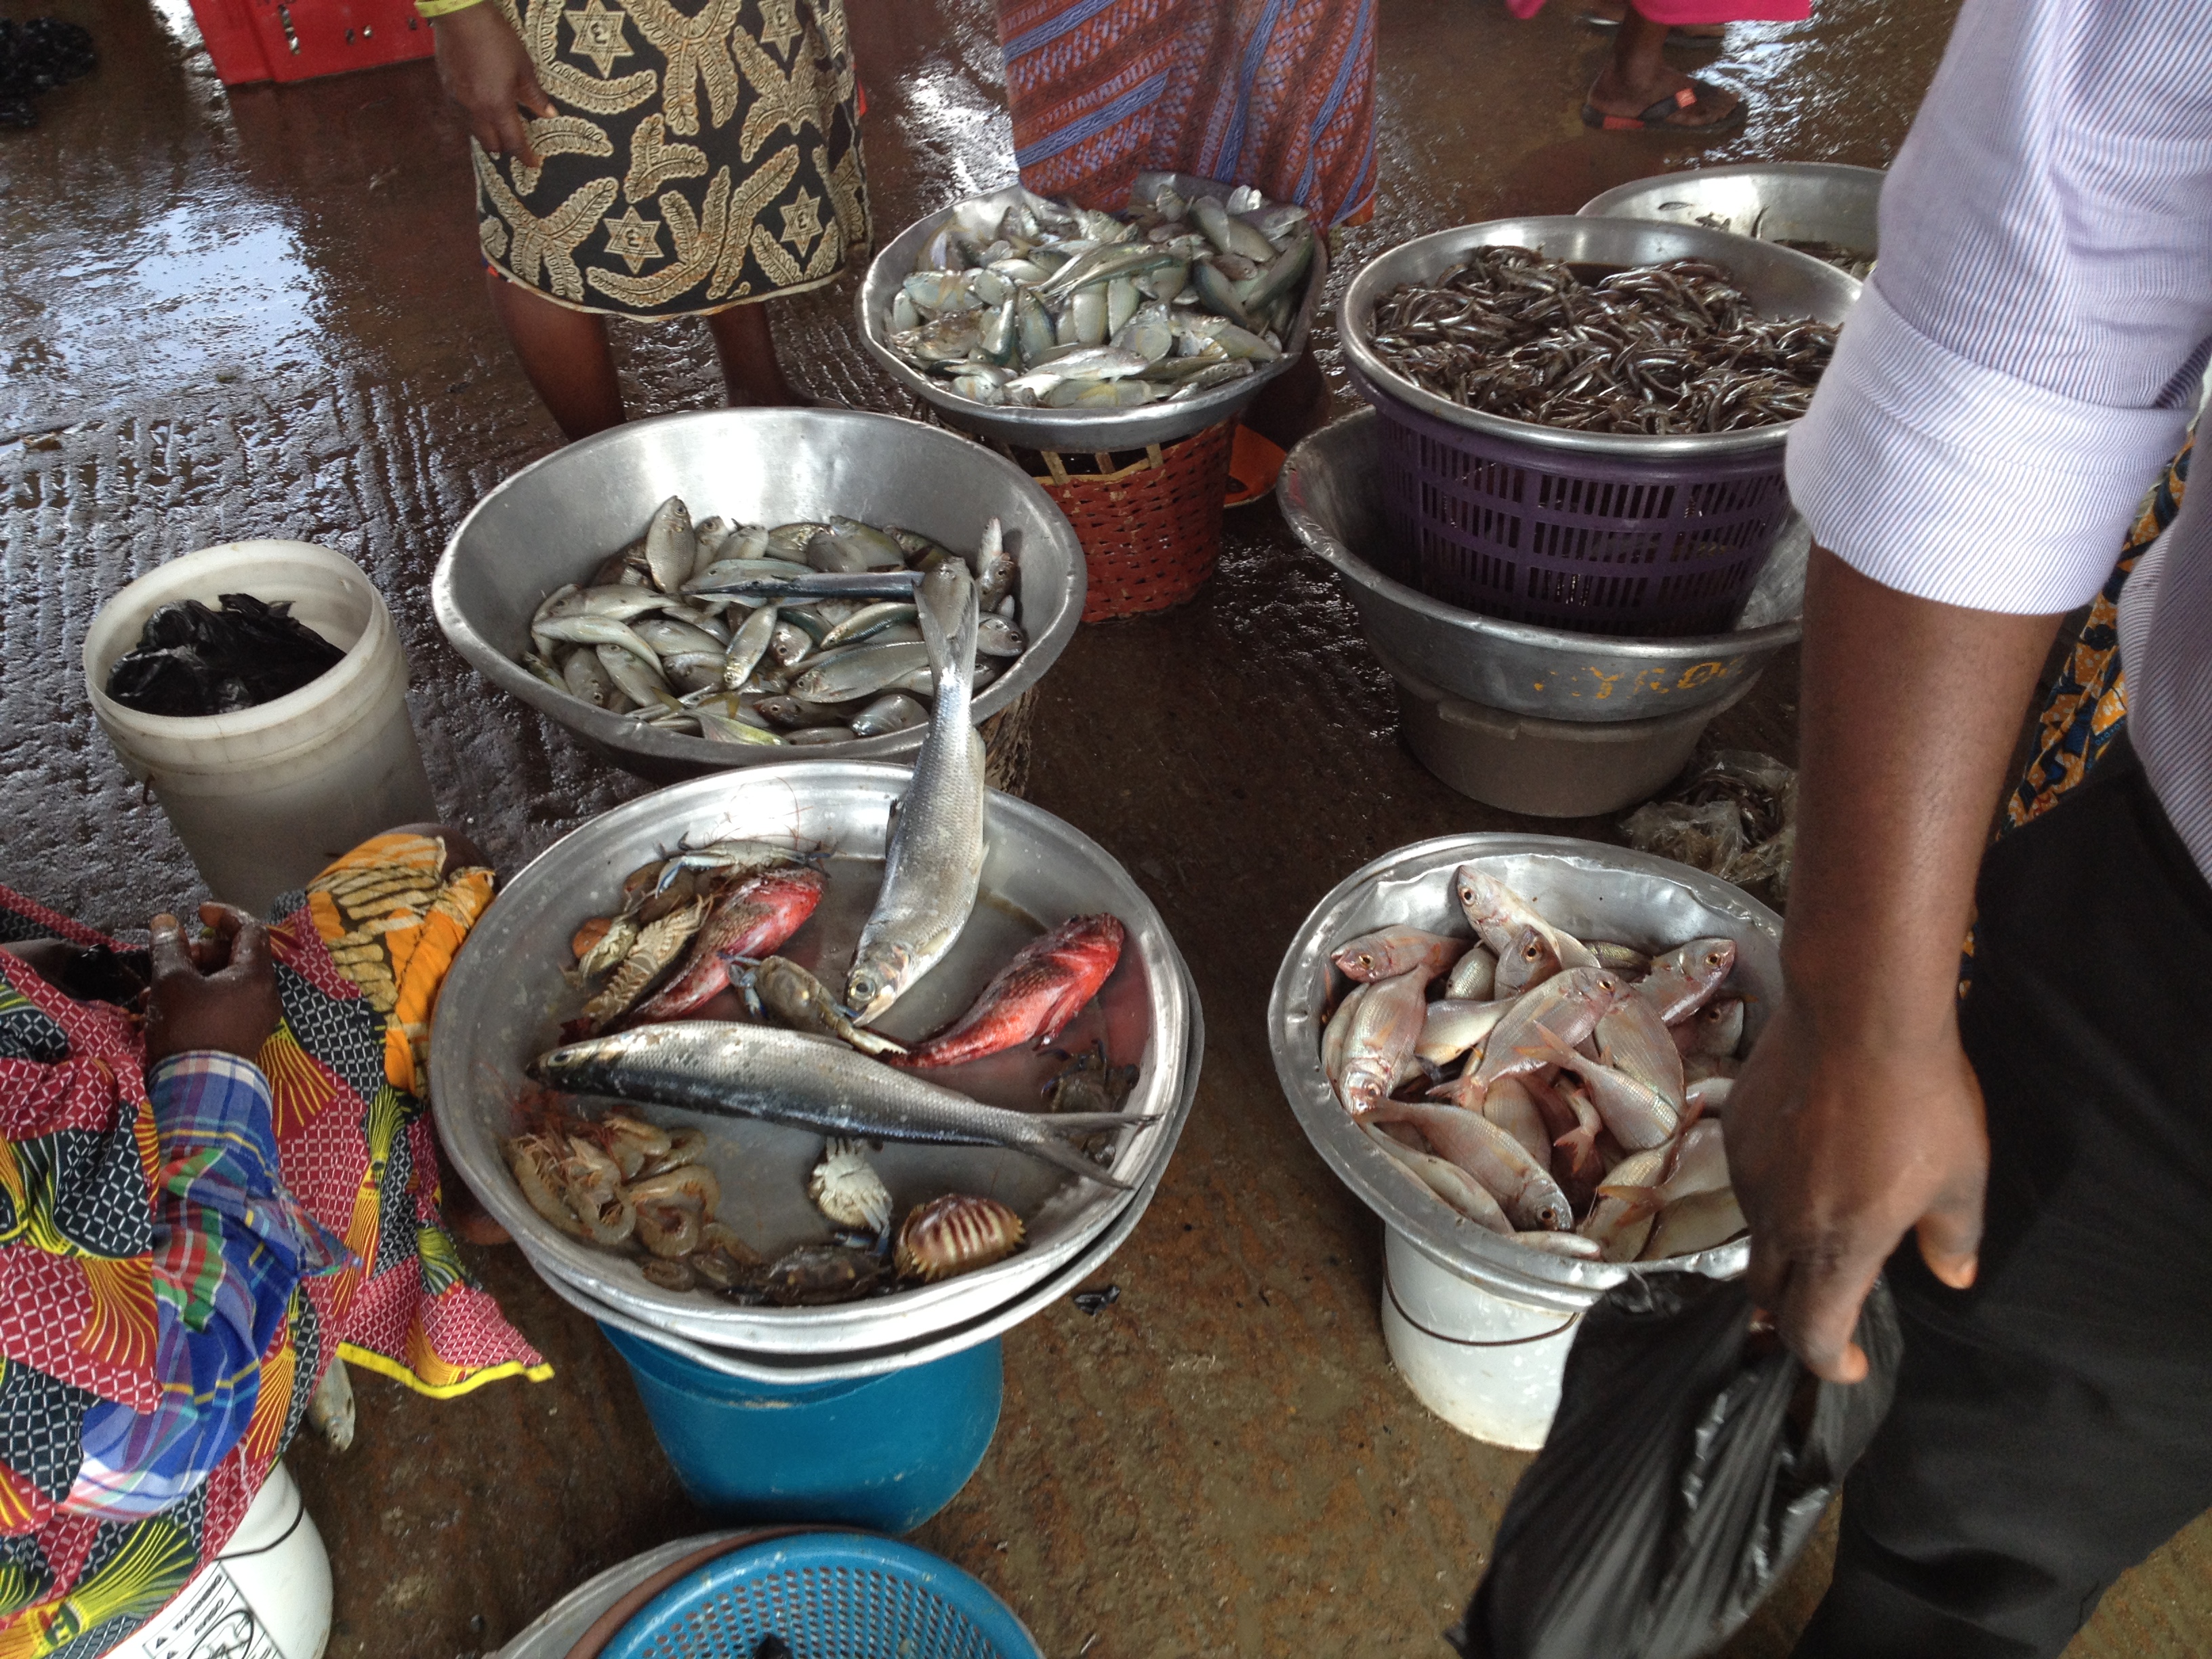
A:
[1592,543]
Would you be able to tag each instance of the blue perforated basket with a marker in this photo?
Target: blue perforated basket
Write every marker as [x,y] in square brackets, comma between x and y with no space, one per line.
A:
[829,1596]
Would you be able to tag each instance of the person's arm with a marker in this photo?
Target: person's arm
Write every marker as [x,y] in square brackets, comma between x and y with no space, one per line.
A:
[487,71]
[229,1243]
[2018,367]
[1857,1118]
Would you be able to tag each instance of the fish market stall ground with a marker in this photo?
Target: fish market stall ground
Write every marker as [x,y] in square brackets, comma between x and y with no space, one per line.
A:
[263,315]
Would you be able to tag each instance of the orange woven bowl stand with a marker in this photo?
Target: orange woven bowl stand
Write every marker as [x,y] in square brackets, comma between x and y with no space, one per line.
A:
[1151,527]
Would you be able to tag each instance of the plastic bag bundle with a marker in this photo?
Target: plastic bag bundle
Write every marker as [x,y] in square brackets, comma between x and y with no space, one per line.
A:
[1735,816]
[1689,1461]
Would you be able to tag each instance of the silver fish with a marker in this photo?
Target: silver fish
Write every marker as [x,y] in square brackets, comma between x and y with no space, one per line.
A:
[1683,979]
[731,1070]
[583,676]
[862,672]
[1493,1157]
[997,637]
[996,569]
[748,646]
[1498,913]
[934,863]
[868,620]
[1474,976]
[601,631]
[642,686]
[1451,1026]
[894,712]
[1380,1040]
[670,546]
[1447,1181]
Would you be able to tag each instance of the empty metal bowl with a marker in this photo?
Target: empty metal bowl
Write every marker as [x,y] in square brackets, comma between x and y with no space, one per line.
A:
[1084,431]
[552,522]
[506,1000]
[1329,491]
[1779,282]
[1771,201]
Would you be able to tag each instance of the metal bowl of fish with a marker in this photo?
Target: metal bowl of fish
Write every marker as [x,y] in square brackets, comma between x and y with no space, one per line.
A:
[1626,310]
[563,586]
[1181,309]
[1331,495]
[1629,922]
[810,1166]
[1826,209]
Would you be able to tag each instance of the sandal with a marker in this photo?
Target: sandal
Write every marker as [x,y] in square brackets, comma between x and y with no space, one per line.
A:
[1659,117]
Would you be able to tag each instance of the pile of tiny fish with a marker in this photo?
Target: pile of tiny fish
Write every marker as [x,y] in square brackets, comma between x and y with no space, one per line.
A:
[191,660]
[1047,304]
[794,634]
[1657,350]
[1563,1093]
[709,920]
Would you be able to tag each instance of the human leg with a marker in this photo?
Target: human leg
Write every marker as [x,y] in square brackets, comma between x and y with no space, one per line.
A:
[1639,79]
[565,354]
[746,350]
[2048,1429]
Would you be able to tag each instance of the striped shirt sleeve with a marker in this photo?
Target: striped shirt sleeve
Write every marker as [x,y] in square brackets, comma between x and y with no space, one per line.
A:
[2024,358]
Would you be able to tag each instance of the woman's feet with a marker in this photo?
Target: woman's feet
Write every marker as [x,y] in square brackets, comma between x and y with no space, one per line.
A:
[1640,90]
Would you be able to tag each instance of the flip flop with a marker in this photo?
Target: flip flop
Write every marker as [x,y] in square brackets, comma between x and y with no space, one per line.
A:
[1657,118]
[1255,462]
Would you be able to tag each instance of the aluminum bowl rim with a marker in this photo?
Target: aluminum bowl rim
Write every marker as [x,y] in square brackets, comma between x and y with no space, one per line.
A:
[1604,204]
[1060,428]
[1463,1250]
[627,737]
[1170,999]
[1366,365]
[1317,536]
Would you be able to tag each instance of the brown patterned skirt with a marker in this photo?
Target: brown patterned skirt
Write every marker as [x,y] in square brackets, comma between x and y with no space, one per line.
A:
[698,162]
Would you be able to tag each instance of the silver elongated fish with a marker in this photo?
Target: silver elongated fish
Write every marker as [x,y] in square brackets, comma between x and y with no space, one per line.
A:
[670,547]
[934,861]
[812,1083]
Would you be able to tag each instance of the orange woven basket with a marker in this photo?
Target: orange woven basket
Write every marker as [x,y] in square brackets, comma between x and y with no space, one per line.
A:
[1149,520]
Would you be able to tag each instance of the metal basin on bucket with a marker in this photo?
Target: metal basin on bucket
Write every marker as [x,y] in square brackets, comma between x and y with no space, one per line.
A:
[1771,201]
[553,521]
[1081,431]
[1464,1297]
[1330,491]
[506,999]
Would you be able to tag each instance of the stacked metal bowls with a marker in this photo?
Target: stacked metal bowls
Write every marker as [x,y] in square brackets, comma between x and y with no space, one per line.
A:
[506,999]
[1079,431]
[553,522]
[1480,1326]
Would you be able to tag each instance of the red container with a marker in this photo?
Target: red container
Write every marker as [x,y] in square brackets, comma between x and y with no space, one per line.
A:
[254,40]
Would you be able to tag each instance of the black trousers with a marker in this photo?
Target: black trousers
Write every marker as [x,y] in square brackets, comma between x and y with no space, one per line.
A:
[2053,1424]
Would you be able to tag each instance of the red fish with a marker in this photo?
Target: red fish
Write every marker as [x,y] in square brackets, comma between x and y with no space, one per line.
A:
[1033,996]
[752,919]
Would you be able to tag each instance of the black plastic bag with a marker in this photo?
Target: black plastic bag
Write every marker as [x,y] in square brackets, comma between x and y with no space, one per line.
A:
[1689,1461]
[191,660]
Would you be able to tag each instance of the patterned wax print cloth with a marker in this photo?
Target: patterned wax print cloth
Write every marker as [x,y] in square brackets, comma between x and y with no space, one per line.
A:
[180,1263]
[697,162]
[1278,94]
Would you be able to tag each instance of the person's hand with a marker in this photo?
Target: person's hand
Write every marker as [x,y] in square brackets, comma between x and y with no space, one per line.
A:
[1841,1136]
[486,71]
[218,992]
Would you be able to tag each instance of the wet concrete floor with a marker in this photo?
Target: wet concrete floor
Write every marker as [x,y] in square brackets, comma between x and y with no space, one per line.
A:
[259,313]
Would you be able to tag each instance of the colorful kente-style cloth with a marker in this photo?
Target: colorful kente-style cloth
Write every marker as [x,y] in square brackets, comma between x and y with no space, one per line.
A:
[1275,93]
[177,1266]
[2088,702]
[698,162]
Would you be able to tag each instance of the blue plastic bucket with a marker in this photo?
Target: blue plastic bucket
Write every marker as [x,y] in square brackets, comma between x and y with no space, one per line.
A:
[885,1452]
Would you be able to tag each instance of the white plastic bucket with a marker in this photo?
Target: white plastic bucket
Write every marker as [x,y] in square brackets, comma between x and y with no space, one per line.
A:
[266,1596]
[264,798]
[1488,1365]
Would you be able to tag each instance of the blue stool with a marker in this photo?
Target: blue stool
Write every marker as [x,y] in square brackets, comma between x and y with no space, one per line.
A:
[886,1452]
